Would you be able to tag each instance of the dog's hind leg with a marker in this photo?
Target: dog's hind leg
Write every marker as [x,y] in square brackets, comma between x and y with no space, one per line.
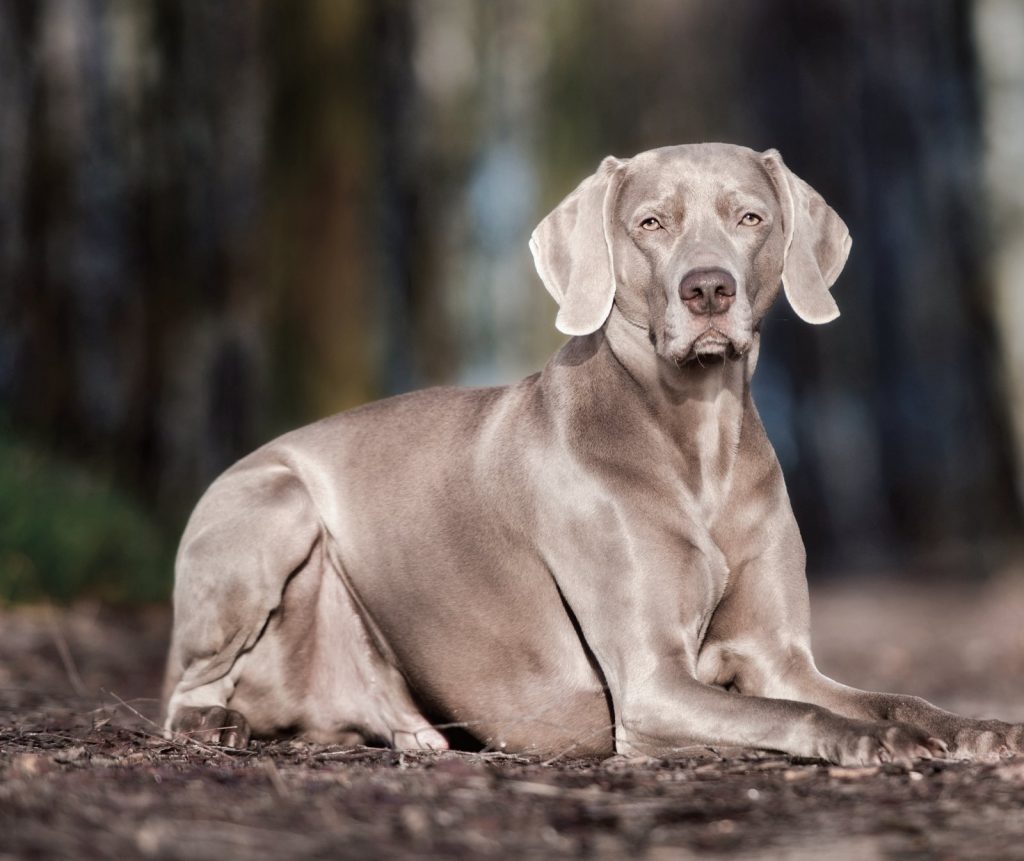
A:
[268,638]
[252,530]
[319,673]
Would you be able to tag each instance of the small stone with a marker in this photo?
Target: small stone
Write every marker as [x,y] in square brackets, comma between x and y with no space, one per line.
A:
[149,840]
[1013,773]
[445,818]
[31,764]
[415,821]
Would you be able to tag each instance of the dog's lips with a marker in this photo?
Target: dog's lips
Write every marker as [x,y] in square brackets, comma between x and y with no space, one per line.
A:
[709,344]
[711,341]
[717,339]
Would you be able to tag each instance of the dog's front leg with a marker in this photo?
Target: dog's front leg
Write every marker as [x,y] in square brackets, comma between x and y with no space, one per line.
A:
[668,710]
[643,620]
[759,643]
[798,678]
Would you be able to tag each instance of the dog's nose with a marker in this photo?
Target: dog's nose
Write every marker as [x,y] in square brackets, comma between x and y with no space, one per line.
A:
[707,291]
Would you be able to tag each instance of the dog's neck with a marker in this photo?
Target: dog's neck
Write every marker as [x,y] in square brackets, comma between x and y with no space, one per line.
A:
[717,381]
[700,407]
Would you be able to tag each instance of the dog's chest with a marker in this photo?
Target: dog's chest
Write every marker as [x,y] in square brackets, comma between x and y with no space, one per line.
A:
[708,440]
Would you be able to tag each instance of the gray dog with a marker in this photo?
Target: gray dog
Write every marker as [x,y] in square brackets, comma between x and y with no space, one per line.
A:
[601,558]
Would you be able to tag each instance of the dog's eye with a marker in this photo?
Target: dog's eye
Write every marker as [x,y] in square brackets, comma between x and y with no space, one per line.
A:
[751,219]
[650,224]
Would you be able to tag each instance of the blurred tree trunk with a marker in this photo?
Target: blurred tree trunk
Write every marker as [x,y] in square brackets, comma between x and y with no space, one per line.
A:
[1000,28]
[22,310]
[205,134]
[131,328]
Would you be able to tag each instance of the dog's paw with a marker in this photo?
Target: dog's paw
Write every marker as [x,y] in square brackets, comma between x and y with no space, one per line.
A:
[212,725]
[878,742]
[987,740]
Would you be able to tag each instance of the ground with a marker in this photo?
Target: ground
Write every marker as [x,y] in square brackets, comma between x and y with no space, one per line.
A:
[83,772]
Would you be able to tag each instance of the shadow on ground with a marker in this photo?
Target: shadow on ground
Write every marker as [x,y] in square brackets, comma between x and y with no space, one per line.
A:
[83,772]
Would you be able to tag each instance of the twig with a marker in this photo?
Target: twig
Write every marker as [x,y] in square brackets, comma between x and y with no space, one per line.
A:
[132,709]
[276,781]
[65,653]
[576,743]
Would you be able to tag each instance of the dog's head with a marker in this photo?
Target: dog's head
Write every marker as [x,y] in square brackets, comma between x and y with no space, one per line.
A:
[692,243]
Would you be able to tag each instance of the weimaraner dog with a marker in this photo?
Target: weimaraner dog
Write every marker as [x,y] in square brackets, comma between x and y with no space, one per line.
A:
[600,558]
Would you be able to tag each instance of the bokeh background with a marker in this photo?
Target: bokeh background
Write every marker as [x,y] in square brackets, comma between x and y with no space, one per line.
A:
[222,219]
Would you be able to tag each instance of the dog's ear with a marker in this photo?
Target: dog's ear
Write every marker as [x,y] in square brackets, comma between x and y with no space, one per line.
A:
[817,243]
[572,250]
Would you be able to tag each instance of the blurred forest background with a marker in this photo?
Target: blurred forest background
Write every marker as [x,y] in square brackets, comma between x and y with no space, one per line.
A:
[222,219]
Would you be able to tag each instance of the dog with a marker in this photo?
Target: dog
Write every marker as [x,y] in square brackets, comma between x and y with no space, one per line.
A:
[599,559]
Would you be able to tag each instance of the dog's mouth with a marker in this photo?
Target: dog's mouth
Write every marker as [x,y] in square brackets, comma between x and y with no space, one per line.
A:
[716,342]
[711,347]
[711,343]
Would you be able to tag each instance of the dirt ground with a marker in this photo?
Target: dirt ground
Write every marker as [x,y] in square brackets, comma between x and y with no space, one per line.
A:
[83,773]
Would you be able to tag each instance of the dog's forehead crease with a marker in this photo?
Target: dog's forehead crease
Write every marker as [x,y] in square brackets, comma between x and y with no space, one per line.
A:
[681,177]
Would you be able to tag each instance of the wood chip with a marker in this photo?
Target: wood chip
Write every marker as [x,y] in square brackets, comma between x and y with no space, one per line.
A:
[853,773]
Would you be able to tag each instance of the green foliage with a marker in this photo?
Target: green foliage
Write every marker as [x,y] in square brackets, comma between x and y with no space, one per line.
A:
[66,533]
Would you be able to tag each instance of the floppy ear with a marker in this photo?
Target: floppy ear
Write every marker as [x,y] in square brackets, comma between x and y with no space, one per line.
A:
[816,246]
[572,250]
